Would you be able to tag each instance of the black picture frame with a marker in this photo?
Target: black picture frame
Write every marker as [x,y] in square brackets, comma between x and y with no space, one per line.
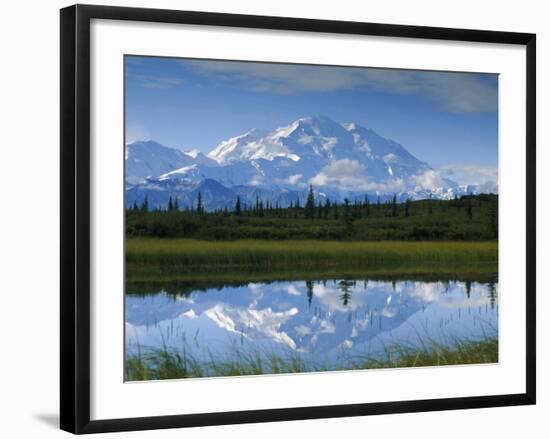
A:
[75,217]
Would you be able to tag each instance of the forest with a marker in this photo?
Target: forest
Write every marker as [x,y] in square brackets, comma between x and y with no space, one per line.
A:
[468,218]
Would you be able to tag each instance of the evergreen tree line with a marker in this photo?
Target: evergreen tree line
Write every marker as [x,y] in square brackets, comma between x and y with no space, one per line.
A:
[465,218]
[312,209]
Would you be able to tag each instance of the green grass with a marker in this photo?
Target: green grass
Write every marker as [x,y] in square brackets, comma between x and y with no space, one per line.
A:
[180,266]
[207,256]
[435,354]
[164,364]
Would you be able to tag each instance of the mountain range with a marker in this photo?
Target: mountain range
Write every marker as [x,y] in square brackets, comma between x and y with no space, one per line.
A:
[337,160]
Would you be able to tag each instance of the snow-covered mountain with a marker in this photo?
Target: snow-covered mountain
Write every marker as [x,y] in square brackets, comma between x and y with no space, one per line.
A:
[338,160]
[149,159]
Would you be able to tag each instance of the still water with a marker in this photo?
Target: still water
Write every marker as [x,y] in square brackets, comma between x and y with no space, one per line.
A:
[326,322]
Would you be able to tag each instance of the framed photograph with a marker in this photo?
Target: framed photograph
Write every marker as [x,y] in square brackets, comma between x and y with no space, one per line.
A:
[268,218]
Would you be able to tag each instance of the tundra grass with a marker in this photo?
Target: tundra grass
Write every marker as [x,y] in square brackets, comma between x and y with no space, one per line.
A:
[193,256]
[165,364]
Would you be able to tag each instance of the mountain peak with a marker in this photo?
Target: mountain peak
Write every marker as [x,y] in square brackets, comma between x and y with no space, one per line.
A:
[304,129]
[315,119]
[136,143]
[147,158]
[318,124]
[193,153]
[339,159]
[318,140]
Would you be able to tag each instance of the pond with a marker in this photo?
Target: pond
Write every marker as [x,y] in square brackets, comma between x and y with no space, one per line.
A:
[329,324]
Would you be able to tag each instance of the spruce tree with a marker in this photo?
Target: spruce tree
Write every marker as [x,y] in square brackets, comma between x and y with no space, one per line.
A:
[348,220]
[408,207]
[199,204]
[238,207]
[310,204]
[309,292]
[356,209]
[366,206]
[394,206]
[145,205]
[326,209]
[346,208]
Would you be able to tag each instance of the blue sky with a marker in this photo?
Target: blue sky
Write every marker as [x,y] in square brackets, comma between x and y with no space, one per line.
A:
[449,120]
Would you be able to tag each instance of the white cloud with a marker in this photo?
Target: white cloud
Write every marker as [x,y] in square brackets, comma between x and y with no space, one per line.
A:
[346,344]
[291,179]
[488,187]
[427,292]
[303,330]
[429,179]
[351,175]
[486,177]
[343,173]
[257,180]
[453,92]
[293,291]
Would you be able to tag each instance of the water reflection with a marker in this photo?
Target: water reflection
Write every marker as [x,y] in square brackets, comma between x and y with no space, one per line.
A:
[325,321]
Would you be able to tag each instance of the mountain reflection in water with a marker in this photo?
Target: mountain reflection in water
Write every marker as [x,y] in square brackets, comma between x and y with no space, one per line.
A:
[325,321]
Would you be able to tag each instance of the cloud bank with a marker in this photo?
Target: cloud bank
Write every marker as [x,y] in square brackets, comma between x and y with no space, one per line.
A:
[452,92]
[350,175]
[486,177]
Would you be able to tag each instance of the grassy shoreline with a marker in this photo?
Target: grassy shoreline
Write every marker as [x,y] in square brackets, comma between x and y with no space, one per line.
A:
[140,280]
[164,364]
[180,266]
[193,256]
